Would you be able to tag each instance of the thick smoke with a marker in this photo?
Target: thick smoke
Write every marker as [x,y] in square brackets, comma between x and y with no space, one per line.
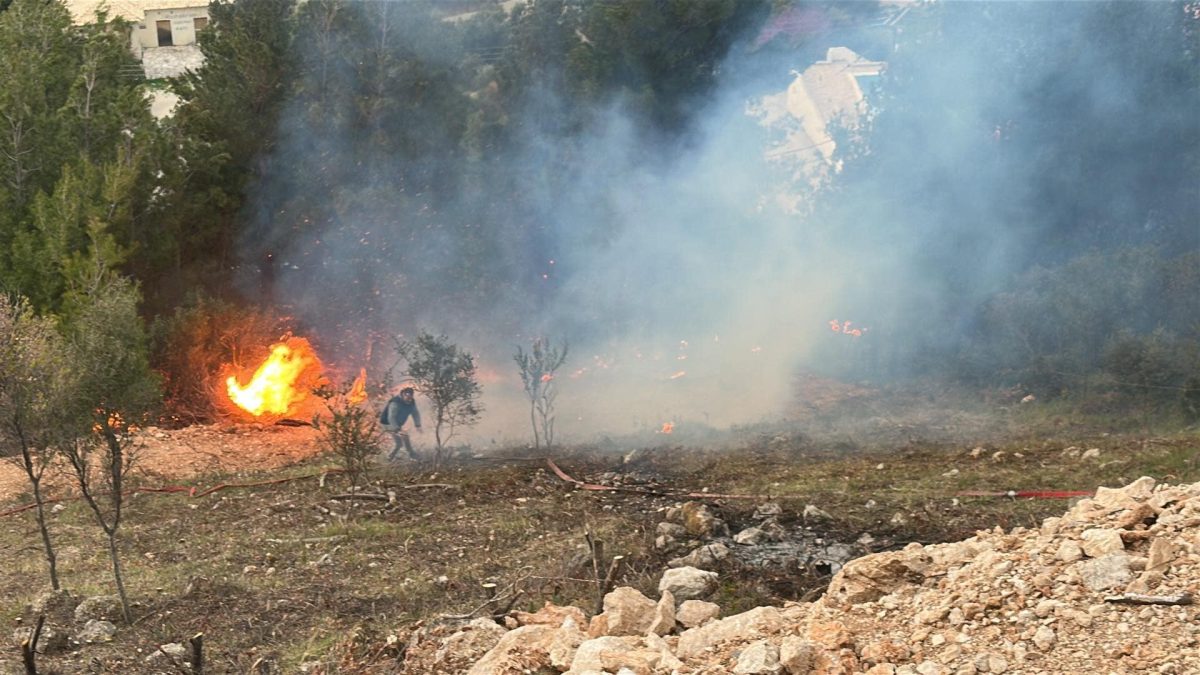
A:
[686,293]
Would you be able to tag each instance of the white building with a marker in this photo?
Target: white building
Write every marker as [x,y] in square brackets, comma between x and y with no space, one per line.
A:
[163,33]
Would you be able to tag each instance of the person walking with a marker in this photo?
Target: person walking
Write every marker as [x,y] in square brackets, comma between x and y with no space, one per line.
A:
[395,415]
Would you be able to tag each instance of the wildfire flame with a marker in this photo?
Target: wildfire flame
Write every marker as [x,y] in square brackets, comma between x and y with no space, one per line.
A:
[358,390]
[279,383]
[667,428]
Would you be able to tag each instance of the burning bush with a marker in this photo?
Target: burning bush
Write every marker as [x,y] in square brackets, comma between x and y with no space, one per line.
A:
[279,383]
[193,347]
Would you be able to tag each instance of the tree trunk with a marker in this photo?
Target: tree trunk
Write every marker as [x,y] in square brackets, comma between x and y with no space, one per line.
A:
[116,563]
[533,422]
[51,558]
[35,479]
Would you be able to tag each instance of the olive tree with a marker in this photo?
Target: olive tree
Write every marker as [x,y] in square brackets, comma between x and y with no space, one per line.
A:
[445,374]
[33,375]
[111,393]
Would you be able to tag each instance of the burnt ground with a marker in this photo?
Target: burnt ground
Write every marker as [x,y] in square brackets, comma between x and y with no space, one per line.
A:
[283,575]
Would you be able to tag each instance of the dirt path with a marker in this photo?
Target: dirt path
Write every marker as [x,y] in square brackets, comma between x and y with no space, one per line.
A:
[189,452]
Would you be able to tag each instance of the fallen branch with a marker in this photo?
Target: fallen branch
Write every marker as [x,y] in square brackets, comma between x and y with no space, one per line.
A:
[174,489]
[361,495]
[509,596]
[1139,599]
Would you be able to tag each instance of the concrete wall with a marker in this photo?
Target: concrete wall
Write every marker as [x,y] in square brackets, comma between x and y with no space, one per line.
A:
[183,31]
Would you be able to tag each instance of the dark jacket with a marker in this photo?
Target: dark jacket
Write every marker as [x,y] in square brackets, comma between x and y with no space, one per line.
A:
[398,413]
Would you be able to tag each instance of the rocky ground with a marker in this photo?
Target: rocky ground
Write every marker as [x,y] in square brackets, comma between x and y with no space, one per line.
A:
[1092,591]
[801,542]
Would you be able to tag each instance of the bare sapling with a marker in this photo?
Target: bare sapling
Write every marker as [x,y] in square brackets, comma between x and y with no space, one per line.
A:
[538,369]
[444,374]
[349,430]
[32,374]
[112,391]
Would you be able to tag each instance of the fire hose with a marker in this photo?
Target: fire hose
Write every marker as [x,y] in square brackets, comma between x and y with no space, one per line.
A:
[1027,494]
[192,491]
[1015,494]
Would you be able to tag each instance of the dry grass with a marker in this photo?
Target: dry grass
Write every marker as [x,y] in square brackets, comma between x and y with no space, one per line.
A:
[275,580]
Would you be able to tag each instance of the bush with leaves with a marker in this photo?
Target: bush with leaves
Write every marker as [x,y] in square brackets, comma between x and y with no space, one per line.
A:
[445,374]
[34,373]
[349,431]
[537,368]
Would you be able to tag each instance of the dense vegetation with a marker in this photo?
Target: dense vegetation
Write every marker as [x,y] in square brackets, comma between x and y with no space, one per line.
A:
[380,135]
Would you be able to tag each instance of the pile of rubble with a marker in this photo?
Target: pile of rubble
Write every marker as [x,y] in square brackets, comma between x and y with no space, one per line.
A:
[1105,588]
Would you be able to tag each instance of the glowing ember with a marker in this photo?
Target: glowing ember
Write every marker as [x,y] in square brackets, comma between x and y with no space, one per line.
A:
[677,375]
[546,377]
[844,327]
[667,428]
[277,385]
[358,390]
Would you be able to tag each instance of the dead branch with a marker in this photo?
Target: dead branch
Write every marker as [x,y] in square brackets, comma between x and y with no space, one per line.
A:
[509,596]
[1139,599]
[370,496]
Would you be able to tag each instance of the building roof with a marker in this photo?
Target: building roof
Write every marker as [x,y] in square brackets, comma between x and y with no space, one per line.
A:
[84,11]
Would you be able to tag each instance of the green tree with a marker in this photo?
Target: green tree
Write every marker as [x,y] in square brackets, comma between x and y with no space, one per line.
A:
[445,374]
[219,139]
[34,375]
[112,392]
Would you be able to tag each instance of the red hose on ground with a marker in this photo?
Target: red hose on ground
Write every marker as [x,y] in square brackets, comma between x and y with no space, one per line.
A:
[191,491]
[1028,494]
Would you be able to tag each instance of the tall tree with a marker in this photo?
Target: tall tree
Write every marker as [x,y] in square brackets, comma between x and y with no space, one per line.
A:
[39,60]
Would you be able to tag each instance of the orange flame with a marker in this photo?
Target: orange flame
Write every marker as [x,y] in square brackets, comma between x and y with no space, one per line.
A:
[677,375]
[276,386]
[546,377]
[667,428]
[358,390]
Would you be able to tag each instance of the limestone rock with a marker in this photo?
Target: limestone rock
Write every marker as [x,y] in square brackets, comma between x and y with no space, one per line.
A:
[698,520]
[98,607]
[688,583]
[875,576]
[552,615]
[95,631]
[57,606]
[663,622]
[746,626]
[758,658]
[797,656]
[469,644]
[751,536]
[1106,573]
[628,611]
[516,650]
[703,556]
[1099,542]
[692,613]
